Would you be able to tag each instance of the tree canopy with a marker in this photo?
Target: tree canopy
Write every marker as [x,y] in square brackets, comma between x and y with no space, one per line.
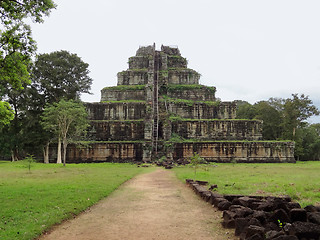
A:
[59,75]
[16,10]
[17,45]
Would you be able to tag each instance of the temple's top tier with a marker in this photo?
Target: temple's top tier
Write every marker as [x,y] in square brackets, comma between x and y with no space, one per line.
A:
[149,50]
[172,67]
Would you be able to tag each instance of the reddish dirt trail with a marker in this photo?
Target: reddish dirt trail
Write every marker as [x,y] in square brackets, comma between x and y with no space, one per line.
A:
[151,206]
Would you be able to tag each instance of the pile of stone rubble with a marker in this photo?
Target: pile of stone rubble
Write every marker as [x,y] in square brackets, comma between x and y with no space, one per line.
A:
[261,217]
[168,164]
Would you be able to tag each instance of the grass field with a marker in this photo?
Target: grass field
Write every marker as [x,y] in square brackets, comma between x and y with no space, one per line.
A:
[301,181]
[33,201]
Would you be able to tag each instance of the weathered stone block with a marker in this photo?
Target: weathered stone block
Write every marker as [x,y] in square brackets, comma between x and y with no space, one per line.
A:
[314,217]
[183,76]
[218,129]
[116,111]
[280,216]
[116,130]
[103,152]
[305,230]
[311,208]
[298,214]
[195,94]
[241,225]
[132,77]
[246,151]
[225,110]
[224,205]
[255,232]
[139,62]
[122,95]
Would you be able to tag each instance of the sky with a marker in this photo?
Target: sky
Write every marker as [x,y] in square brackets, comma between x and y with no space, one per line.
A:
[249,50]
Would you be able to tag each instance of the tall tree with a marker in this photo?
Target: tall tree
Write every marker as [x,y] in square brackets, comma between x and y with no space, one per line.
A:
[66,119]
[56,76]
[60,75]
[17,45]
[296,111]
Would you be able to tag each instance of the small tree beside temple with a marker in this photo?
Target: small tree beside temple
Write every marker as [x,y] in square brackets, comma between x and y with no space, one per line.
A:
[66,119]
[195,161]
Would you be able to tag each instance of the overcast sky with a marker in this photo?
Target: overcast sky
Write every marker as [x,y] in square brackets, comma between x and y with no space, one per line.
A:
[250,50]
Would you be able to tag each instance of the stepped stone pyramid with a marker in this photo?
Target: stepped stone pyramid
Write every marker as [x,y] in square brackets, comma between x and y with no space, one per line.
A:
[158,108]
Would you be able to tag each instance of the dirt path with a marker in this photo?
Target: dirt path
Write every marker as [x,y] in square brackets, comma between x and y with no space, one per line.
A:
[151,206]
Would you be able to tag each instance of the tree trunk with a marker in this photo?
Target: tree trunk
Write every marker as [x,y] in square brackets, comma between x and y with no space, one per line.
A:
[46,153]
[14,155]
[65,144]
[59,151]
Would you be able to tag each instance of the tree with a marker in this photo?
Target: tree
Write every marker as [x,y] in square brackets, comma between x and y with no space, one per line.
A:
[315,144]
[245,110]
[6,114]
[62,69]
[195,161]
[262,110]
[66,119]
[55,76]
[16,10]
[295,113]
[17,45]
[307,143]
[272,120]
[60,75]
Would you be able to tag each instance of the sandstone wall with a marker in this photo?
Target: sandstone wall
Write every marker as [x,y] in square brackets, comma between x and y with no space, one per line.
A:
[136,77]
[105,152]
[204,94]
[116,111]
[145,50]
[225,110]
[218,130]
[119,95]
[183,76]
[239,151]
[116,130]
[247,152]
[176,61]
[139,62]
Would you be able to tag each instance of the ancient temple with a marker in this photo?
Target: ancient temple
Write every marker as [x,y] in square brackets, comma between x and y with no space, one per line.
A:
[158,108]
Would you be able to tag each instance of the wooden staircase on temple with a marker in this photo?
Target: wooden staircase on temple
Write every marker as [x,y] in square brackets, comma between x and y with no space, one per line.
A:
[155,104]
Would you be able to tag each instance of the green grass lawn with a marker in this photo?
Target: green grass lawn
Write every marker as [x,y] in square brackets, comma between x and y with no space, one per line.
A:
[33,201]
[301,181]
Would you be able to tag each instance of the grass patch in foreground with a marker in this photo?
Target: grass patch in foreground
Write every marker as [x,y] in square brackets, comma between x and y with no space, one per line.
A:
[301,181]
[32,202]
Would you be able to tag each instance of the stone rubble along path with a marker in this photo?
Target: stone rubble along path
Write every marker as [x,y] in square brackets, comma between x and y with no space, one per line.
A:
[155,205]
